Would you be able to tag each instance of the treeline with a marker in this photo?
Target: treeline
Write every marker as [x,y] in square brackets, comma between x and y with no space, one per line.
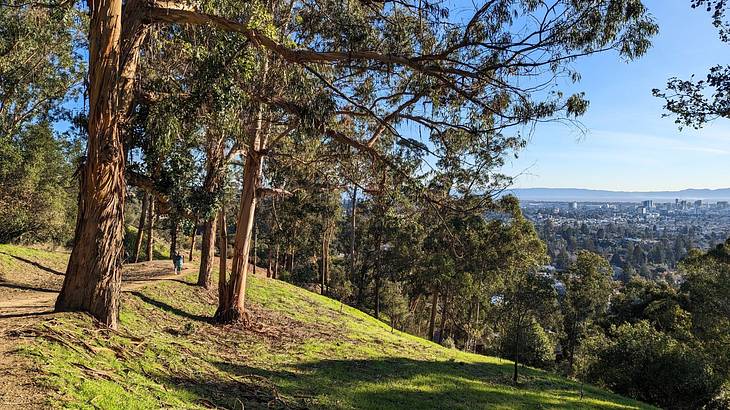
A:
[486,290]
[649,253]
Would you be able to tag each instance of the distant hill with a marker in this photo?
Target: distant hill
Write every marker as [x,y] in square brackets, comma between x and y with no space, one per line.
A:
[592,195]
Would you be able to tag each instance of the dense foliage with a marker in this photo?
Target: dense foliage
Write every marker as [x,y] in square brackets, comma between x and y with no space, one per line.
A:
[40,69]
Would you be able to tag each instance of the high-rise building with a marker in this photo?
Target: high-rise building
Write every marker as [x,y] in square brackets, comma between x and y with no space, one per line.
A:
[648,204]
[573,205]
[698,203]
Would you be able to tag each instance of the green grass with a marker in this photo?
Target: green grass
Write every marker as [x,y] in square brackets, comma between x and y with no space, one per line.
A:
[11,255]
[302,350]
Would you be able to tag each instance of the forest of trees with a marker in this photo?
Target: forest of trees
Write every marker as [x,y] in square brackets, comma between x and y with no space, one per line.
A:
[350,147]
[651,254]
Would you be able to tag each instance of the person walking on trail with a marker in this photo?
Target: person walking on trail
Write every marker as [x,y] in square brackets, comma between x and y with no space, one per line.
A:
[177,262]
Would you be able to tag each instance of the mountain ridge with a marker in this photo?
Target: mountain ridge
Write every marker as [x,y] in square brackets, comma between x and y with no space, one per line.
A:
[602,195]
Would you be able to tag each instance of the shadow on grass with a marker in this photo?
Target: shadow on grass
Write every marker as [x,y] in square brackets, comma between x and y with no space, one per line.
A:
[20,286]
[158,279]
[232,393]
[171,309]
[29,314]
[36,264]
[395,383]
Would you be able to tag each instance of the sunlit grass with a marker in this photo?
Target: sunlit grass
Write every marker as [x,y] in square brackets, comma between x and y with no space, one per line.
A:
[303,350]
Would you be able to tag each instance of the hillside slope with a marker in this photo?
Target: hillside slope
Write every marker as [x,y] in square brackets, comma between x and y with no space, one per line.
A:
[302,350]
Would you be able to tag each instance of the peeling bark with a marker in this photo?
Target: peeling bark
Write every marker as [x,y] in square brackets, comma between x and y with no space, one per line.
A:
[207,252]
[232,307]
[93,276]
[223,257]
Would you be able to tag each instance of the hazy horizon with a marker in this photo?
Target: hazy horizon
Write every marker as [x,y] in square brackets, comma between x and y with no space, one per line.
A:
[622,190]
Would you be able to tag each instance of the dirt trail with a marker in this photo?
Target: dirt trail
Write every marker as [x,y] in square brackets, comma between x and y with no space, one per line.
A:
[18,310]
[33,302]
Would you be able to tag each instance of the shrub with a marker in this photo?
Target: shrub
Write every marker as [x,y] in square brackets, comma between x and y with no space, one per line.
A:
[639,361]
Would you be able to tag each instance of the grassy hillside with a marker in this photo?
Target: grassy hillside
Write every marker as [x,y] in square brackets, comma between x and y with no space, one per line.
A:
[23,270]
[301,351]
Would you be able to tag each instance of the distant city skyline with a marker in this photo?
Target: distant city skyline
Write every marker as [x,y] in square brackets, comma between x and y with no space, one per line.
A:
[590,195]
[629,146]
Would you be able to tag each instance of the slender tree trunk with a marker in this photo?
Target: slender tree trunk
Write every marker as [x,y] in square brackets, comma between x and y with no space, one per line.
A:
[572,336]
[327,242]
[323,262]
[207,252]
[223,257]
[214,177]
[192,240]
[268,260]
[173,236]
[150,227]
[517,354]
[378,272]
[233,307]
[276,261]
[432,321]
[353,225]
[444,315]
[140,227]
[255,244]
[93,276]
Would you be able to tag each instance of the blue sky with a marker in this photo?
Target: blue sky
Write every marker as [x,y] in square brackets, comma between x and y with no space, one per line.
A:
[629,146]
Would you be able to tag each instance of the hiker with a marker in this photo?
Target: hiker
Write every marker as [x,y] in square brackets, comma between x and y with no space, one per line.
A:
[177,262]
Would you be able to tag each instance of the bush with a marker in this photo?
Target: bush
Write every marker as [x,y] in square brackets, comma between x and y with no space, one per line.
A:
[641,362]
[449,343]
[537,348]
[37,188]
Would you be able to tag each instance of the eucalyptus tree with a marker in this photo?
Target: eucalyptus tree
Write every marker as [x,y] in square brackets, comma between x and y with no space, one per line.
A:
[40,67]
[524,296]
[588,287]
[462,80]
[40,71]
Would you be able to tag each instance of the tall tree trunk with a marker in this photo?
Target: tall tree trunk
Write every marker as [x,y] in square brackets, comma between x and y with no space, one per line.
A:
[378,272]
[93,276]
[215,160]
[140,227]
[268,257]
[207,252]
[323,262]
[276,261]
[353,216]
[517,354]
[233,307]
[173,235]
[432,320]
[444,315]
[328,239]
[223,256]
[150,227]
[255,244]
[192,239]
